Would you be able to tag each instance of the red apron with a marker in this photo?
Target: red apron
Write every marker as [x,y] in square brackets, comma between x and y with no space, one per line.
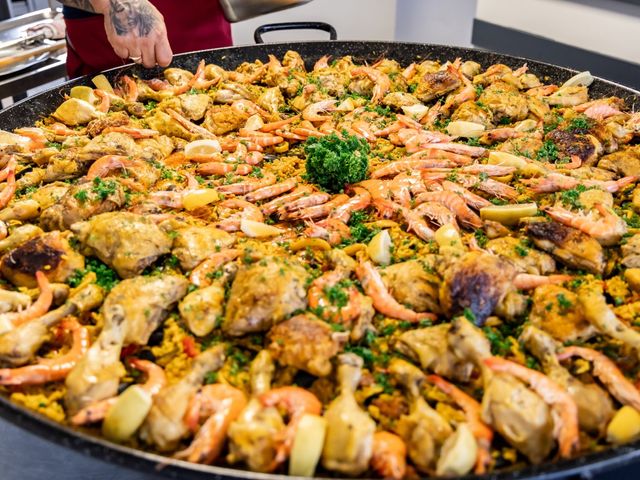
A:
[191,25]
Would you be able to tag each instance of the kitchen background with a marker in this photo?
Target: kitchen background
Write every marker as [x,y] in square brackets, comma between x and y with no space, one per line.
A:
[601,35]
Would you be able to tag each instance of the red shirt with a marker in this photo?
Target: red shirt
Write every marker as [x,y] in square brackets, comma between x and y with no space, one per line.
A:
[191,25]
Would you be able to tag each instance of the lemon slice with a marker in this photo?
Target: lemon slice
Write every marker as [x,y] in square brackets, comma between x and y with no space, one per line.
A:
[527,125]
[307,445]
[527,168]
[625,426]
[199,198]
[101,82]
[127,414]
[416,111]
[255,229]
[83,93]
[254,122]
[74,112]
[509,214]
[379,248]
[202,148]
[460,128]
[582,79]
[458,454]
[448,237]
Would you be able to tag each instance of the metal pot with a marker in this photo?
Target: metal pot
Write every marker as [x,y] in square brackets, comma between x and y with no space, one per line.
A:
[28,111]
[238,10]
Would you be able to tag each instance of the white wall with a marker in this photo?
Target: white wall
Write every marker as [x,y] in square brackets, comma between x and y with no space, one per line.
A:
[353,19]
[603,26]
[448,22]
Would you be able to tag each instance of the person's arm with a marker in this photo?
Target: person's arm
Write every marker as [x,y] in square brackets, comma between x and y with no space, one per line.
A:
[135,29]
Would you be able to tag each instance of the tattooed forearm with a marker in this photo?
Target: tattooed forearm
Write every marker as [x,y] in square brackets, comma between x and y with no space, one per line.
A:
[132,16]
[79,4]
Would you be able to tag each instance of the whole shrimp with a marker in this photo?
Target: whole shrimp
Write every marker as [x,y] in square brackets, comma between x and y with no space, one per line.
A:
[297,402]
[608,373]
[383,302]
[220,404]
[564,407]
[51,369]
[156,379]
[37,308]
[473,413]
[382,83]
[607,230]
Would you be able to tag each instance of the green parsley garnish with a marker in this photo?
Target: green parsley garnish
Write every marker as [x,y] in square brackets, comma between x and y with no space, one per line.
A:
[548,152]
[333,162]
[106,277]
[104,188]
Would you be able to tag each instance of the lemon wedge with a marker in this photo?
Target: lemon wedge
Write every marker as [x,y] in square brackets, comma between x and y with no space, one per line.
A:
[379,248]
[582,79]
[509,214]
[307,445]
[127,414]
[254,229]
[525,167]
[460,128]
[83,93]
[254,122]
[74,112]
[199,198]
[448,238]
[625,426]
[458,454]
[202,148]
[416,111]
[101,82]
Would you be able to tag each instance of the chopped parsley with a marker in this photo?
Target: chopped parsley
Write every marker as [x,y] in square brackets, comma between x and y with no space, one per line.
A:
[256,172]
[82,196]
[210,377]
[521,250]
[553,124]
[481,238]
[104,188]
[548,152]
[579,124]
[382,379]
[563,302]
[106,277]
[56,145]
[571,198]
[500,344]
[360,233]
[469,315]
[337,295]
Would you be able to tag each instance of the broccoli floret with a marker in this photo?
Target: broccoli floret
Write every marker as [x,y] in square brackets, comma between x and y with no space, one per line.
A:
[335,161]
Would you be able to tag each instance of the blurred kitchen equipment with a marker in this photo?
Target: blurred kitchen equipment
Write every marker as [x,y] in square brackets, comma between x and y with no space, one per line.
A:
[238,10]
[32,48]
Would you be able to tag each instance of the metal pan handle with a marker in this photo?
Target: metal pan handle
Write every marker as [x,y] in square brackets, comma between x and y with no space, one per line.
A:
[274,27]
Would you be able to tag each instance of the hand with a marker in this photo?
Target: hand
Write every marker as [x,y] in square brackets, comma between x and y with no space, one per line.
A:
[135,28]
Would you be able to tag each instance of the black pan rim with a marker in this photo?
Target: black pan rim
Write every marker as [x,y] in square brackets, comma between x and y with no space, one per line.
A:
[141,460]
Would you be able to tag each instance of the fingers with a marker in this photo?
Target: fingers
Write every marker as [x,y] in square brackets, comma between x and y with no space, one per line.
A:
[148,54]
[121,51]
[163,52]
